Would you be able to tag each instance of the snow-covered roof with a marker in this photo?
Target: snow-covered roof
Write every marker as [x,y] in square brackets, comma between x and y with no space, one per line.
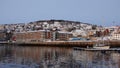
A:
[33,31]
[64,32]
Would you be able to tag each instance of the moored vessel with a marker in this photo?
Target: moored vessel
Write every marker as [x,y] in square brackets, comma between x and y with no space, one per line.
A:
[101,46]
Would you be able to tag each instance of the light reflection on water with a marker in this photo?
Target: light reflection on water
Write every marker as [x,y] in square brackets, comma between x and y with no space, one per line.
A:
[56,57]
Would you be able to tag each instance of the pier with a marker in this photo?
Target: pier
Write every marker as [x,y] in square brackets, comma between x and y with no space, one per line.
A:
[93,49]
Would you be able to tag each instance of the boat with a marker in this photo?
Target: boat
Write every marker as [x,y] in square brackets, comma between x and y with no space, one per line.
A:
[101,46]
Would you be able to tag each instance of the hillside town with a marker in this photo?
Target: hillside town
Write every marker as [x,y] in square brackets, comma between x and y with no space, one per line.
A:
[57,30]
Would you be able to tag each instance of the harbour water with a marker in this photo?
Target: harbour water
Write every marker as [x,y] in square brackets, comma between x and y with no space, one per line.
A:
[13,56]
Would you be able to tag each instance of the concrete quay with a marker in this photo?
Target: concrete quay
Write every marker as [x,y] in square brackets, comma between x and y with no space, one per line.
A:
[64,43]
[70,43]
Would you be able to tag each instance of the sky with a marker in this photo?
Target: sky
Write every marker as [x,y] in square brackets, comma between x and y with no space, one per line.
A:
[98,12]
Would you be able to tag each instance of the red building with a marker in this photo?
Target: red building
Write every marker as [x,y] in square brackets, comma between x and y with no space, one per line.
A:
[32,36]
[41,36]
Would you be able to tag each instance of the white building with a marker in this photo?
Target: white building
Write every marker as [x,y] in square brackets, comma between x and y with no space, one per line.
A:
[115,36]
[79,32]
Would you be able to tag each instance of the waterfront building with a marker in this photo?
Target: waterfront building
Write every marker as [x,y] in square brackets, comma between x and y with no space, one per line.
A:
[115,36]
[91,33]
[41,36]
[1,27]
[64,36]
[2,36]
[32,36]
[77,33]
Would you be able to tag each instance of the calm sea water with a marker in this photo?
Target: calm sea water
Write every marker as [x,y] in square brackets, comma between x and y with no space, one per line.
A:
[56,57]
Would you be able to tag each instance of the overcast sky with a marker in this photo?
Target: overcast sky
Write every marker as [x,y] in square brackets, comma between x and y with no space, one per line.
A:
[99,12]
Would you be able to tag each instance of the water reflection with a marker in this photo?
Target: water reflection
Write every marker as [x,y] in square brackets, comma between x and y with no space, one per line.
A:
[56,57]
